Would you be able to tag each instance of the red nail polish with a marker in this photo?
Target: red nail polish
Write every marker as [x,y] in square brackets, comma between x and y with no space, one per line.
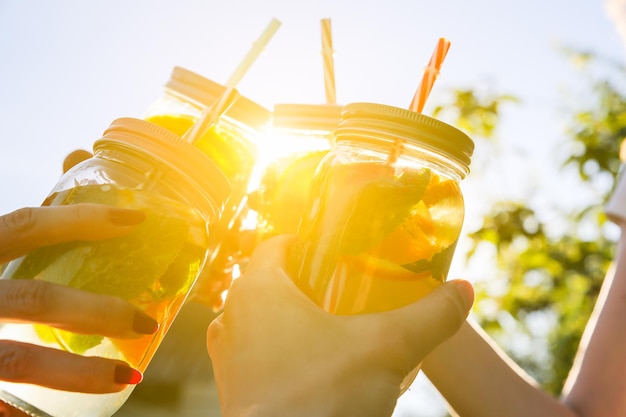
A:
[127,375]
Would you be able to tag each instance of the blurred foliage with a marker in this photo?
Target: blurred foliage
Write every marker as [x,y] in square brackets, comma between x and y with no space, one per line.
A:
[473,112]
[556,278]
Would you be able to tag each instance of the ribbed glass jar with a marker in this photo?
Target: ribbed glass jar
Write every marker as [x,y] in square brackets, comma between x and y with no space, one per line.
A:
[142,166]
[300,137]
[233,144]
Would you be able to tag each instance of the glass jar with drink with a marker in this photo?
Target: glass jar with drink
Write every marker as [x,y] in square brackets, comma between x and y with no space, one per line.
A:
[136,165]
[385,211]
[301,135]
[233,144]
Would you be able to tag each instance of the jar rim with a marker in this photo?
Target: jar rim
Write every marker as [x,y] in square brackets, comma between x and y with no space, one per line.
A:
[205,92]
[202,173]
[323,117]
[398,123]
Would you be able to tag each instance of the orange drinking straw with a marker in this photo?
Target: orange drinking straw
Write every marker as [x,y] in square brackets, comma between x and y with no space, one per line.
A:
[329,66]
[431,72]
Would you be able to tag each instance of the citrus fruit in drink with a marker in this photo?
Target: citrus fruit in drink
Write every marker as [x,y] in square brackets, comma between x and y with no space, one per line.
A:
[431,226]
[285,191]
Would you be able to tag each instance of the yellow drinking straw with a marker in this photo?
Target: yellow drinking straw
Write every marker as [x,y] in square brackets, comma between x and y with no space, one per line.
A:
[255,51]
[211,115]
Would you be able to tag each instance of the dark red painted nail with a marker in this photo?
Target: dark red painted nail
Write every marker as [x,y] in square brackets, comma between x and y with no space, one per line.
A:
[127,375]
[144,324]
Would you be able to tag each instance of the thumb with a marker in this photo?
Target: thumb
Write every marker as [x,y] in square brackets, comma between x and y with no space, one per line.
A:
[434,318]
[74,158]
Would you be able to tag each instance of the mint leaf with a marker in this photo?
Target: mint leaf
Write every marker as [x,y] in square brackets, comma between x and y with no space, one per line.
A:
[378,208]
[128,265]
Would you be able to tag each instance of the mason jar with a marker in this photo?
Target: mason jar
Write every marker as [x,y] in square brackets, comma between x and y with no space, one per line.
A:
[301,135]
[135,165]
[384,213]
[385,210]
[233,144]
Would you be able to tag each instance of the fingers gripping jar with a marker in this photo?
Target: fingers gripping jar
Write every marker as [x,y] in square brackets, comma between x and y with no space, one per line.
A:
[136,165]
[233,144]
[385,211]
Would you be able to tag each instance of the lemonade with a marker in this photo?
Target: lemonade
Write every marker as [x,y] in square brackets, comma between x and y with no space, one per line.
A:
[378,238]
[153,267]
[283,193]
[384,214]
[300,138]
[231,145]
[236,157]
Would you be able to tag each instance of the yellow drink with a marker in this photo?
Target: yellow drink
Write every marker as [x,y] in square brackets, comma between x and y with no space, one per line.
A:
[377,238]
[300,138]
[384,214]
[283,193]
[140,166]
[153,267]
[236,158]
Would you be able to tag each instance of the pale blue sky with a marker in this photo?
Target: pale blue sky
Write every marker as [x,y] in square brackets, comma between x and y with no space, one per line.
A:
[68,68]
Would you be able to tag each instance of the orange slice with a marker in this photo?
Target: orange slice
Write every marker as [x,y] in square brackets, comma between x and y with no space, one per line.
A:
[380,268]
[445,203]
[440,190]
[411,241]
[136,350]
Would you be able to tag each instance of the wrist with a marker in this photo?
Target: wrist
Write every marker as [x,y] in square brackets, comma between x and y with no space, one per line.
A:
[615,208]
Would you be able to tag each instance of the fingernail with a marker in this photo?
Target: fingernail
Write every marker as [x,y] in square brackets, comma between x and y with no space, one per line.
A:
[127,375]
[144,324]
[466,291]
[124,217]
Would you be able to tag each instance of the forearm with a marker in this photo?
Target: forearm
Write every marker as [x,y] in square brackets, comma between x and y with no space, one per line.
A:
[479,380]
[596,386]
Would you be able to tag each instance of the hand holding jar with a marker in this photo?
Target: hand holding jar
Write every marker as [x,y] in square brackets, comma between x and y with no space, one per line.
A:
[68,309]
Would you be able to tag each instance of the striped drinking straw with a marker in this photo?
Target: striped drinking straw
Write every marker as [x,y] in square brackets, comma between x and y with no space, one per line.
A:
[431,72]
[329,66]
